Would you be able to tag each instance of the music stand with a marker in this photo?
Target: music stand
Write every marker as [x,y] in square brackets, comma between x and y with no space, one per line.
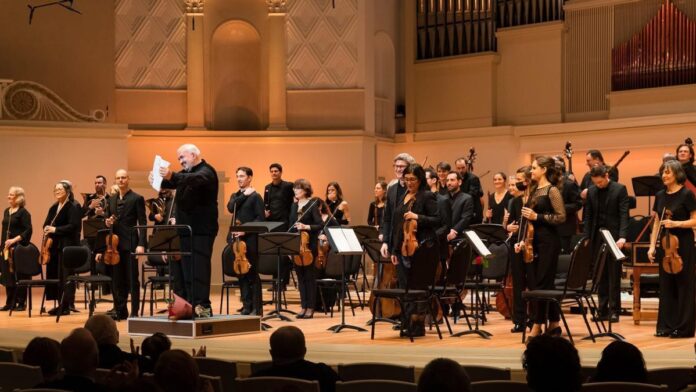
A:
[373,249]
[609,247]
[279,244]
[345,243]
[647,186]
[364,232]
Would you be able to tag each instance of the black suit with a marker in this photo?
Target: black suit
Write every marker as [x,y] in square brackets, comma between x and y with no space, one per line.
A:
[196,204]
[573,204]
[129,211]
[462,211]
[472,185]
[444,210]
[395,193]
[612,215]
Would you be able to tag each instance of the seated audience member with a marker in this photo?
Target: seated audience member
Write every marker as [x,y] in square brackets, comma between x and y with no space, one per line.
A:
[621,361]
[105,333]
[44,353]
[177,371]
[80,359]
[288,351]
[444,375]
[151,349]
[552,365]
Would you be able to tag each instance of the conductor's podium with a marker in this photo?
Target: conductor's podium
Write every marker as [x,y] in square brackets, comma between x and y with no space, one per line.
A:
[207,327]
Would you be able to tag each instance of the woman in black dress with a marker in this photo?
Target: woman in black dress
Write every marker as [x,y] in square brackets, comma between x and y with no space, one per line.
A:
[337,206]
[498,200]
[16,229]
[305,215]
[376,210]
[544,211]
[675,317]
[62,224]
[518,268]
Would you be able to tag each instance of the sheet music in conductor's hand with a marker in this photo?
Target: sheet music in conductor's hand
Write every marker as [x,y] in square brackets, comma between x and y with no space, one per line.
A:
[156,177]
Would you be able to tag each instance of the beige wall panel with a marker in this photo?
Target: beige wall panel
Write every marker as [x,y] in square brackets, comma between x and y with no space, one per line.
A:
[663,100]
[325,109]
[151,107]
[529,84]
[455,93]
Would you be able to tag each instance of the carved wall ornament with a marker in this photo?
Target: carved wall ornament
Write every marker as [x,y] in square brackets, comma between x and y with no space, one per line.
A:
[25,100]
[276,6]
[194,6]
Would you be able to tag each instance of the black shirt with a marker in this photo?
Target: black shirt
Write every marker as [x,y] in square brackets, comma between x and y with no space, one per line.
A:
[129,211]
[19,224]
[498,209]
[277,199]
[337,214]
[375,214]
[680,203]
[602,202]
[248,208]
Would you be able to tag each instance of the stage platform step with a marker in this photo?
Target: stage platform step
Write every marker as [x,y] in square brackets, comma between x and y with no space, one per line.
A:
[209,327]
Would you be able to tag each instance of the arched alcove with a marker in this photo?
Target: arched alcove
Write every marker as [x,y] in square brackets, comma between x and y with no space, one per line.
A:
[385,84]
[235,80]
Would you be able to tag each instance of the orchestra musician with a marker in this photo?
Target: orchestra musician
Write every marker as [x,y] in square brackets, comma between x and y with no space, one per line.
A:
[125,211]
[685,155]
[95,203]
[376,209]
[443,169]
[196,205]
[471,185]
[338,207]
[444,210]
[570,191]
[607,207]
[462,213]
[395,191]
[592,159]
[16,229]
[161,207]
[675,317]
[498,200]
[420,204]
[247,206]
[62,225]
[306,216]
[518,268]
[545,211]
[278,197]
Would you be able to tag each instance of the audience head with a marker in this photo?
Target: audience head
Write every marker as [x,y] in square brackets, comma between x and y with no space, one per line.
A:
[287,345]
[621,362]
[80,353]
[443,375]
[552,364]
[153,346]
[103,329]
[44,353]
[177,371]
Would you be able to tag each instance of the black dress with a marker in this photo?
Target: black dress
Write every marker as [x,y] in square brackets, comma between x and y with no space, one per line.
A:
[338,215]
[547,202]
[307,276]
[17,224]
[676,311]
[67,223]
[375,214]
[498,209]
[518,268]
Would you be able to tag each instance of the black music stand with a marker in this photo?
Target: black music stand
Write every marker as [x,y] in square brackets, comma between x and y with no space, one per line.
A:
[647,186]
[608,250]
[364,232]
[373,249]
[345,243]
[279,244]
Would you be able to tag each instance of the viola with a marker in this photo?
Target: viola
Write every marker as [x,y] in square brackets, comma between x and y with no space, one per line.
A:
[410,243]
[46,245]
[111,255]
[305,258]
[241,264]
[322,254]
[672,262]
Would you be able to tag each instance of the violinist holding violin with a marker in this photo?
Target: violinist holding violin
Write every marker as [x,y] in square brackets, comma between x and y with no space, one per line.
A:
[305,216]
[675,317]
[418,205]
[126,210]
[16,229]
[247,206]
[518,268]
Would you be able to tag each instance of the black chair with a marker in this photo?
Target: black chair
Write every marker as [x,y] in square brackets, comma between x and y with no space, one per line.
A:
[276,384]
[375,386]
[419,287]
[675,379]
[493,276]
[229,277]
[225,370]
[486,373]
[76,260]
[451,292]
[268,265]
[621,387]
[575,288]
[332,279]
[499,385]
[154,263]
[26,262]
[376,371]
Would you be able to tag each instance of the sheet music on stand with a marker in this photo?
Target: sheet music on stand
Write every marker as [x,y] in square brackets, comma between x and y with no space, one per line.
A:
[609,240]
[344,241]
[475,240]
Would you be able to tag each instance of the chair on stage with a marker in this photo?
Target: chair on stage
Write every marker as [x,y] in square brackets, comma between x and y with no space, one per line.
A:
[18,376]
[230,280]
[499,385]
[375,386]
[452,290]
[575,288]
[621,387]
[674,378]
[226,370]
[26,262]
[76,261]
[376,371]
[332,280]
[154,263]
[419,287]
[275,384]
[478,373]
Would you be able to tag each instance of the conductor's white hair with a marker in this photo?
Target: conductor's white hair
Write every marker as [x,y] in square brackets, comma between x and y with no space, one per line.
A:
[190,148]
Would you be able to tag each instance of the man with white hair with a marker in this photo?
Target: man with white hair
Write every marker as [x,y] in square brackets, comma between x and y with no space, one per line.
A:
[395,192]
[196,204]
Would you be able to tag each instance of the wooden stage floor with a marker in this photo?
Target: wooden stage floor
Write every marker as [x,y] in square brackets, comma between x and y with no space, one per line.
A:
[504,349]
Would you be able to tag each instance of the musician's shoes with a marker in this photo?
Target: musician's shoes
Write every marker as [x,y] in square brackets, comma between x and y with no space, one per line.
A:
[245,312]
[554,332]
[54,311]
[309,314]
[20,307]
[518,328]
[118,316]
[679,335]
[5,308]
[663,334]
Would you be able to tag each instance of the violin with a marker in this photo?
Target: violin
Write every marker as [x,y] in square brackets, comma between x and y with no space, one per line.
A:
[568,152]
[526,236]
[241,264]
[672,262]
[322,252]
[46,245]
[111,255]
[410,244]
[305,258]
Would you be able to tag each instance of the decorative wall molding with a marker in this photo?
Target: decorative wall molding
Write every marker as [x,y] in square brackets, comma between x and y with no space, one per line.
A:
[276,6]
[151,43]
[30,101]
[322,44]
[194,6]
